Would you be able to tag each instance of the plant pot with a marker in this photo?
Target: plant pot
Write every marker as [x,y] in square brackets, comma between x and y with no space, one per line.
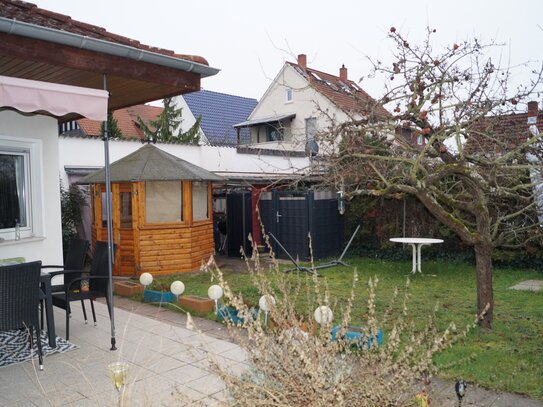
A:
[197,304]
[358,336]
[231,314]
[127,288]
[158,296]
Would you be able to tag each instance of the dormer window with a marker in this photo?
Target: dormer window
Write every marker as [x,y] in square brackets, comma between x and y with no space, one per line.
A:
[289,96]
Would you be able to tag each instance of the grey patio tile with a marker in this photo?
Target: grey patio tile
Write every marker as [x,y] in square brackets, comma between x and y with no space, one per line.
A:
[185,353]
[219,346]
[185,395]
[164,363]
[235,353]
[175,333]
[185,374]
[57,397]
[207,385]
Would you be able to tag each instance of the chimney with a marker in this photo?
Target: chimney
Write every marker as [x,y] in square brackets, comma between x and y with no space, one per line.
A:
[343,74]
[533,109]
[302,61]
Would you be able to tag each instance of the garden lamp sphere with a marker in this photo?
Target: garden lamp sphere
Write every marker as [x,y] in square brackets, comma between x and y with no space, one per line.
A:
[323,315]
[177,288]
[214,292]
[146,279]
[266,302]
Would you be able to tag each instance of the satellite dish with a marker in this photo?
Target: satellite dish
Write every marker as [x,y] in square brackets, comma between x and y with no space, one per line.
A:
[311,148]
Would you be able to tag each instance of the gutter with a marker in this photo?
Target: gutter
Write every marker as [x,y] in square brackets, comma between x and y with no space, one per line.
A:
[23,29]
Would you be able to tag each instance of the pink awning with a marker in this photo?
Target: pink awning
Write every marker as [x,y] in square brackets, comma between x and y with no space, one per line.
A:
[32,96]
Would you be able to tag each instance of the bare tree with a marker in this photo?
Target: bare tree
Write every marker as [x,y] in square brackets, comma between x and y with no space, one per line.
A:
[481,189]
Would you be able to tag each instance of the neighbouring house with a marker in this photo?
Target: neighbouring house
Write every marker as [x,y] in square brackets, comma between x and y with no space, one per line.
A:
[219,113]
[299,103]
[497,135]
[53,70]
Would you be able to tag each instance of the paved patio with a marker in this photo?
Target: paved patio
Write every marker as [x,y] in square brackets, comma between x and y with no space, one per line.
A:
[169,364]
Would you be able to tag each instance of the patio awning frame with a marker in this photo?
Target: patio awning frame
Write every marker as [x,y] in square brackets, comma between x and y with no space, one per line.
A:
[30,96]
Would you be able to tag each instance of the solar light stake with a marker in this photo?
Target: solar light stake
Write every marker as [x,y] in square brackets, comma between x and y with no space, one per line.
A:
[215,293]
[460,389]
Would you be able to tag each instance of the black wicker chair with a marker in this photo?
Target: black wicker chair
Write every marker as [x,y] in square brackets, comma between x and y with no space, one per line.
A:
[19,300]
[73,264]
[98,286]
[75,260]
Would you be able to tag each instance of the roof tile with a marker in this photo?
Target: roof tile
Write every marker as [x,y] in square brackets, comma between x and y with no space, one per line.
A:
[32,14]
[348,96]
[219,113]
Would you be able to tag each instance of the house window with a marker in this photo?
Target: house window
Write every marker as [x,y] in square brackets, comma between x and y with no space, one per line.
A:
[289,96]
[14,190]
[20,188]
[274,133]
[310,128]
[163,201]
[200,208]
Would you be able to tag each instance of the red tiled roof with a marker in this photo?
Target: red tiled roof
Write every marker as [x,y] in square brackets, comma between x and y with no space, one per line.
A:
[126,121]
[346,95]
[497,133]
[32,14]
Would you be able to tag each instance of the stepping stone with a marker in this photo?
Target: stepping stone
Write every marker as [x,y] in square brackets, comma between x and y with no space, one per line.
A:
[529,285]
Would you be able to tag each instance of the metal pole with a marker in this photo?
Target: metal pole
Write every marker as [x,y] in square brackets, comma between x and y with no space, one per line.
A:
[110,250]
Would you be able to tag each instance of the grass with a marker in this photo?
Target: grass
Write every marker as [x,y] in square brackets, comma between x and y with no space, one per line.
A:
[508,358]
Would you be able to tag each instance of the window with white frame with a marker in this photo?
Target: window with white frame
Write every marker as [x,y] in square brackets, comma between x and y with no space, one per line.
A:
[20,192]
[289,95]
[14,183]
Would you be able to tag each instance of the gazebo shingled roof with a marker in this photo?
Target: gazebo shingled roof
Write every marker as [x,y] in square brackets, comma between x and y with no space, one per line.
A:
[150,163]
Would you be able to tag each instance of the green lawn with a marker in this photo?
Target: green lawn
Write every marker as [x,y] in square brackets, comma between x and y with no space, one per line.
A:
[509,358]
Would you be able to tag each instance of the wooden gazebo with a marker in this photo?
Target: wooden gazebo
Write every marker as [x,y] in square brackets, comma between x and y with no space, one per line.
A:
[162,215]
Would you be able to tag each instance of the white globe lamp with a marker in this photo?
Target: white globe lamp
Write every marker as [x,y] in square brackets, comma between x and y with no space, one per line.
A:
[323,315]
[146,279]
[266,302]
[177,288]
[215,293]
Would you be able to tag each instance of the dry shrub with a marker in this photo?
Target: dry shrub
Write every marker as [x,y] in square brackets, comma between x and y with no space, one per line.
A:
[292,363]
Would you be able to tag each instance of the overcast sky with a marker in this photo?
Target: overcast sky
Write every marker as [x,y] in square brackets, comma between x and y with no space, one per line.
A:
[249,40]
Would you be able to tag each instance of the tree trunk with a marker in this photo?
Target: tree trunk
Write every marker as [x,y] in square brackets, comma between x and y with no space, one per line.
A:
[485,298]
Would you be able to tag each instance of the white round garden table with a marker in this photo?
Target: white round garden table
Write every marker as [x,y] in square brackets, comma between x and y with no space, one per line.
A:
[416,243]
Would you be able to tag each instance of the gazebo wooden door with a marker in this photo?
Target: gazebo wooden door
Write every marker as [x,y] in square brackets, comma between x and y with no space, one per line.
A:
[123,229]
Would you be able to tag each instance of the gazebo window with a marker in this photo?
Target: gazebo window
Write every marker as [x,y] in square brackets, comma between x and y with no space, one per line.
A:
[126,209]
[200,209]
[163,201]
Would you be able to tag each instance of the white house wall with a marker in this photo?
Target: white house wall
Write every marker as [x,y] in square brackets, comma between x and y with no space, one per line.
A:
[306,103]
[42,133]
[188,117]
[225,161]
